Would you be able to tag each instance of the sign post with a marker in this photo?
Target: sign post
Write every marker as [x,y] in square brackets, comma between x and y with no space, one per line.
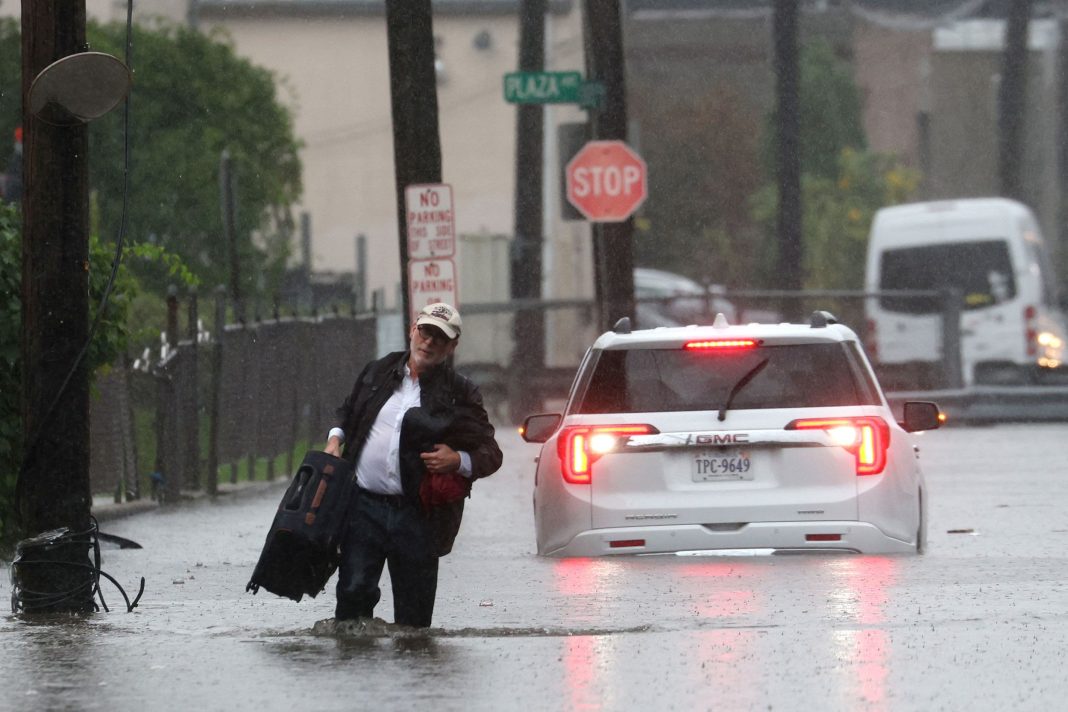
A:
[431,226]
[606,181]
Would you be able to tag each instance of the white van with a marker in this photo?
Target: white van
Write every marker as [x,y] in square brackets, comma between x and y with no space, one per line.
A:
[991,250]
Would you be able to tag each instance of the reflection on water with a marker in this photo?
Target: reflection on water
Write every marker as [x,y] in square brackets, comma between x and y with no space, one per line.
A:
[862,598]
[718,582]
[585,577]
[579,670]
[66,649]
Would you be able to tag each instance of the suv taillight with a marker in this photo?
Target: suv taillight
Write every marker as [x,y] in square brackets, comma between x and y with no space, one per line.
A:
[866,437]
[580,446]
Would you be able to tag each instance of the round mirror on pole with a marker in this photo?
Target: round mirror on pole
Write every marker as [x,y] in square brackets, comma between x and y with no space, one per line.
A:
[79,88]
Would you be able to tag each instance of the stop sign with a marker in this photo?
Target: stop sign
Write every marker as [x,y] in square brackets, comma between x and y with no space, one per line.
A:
[606,181]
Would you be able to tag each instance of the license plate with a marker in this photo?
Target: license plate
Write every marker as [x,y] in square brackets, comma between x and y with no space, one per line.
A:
[722,466]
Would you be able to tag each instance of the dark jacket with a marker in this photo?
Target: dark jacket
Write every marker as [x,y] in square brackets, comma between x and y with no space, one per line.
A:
[450,412]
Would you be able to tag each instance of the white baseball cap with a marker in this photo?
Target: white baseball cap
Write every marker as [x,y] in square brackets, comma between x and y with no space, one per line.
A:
[442,315]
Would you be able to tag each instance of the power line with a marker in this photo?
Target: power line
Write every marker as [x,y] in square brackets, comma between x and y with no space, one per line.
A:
[355,132]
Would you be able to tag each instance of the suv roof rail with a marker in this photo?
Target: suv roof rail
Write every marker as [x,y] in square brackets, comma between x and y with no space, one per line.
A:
[622,326]
[820,319]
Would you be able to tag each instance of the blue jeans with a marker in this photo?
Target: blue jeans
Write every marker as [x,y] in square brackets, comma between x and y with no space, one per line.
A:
[393,532]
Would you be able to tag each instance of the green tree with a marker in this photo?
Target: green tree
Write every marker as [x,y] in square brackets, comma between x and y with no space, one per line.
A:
[703,159]
[842,183]
[832,119]
[837,215]
[120,324]
[10,377]
[192,97]
[108,341]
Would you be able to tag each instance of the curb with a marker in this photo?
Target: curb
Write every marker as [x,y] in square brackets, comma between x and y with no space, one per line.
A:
[109,511]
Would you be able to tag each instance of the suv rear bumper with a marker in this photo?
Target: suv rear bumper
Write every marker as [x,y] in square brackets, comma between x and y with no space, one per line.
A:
[856,537]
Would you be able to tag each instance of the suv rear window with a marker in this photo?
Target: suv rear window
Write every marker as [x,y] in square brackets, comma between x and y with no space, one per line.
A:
[981,270]
[658,380]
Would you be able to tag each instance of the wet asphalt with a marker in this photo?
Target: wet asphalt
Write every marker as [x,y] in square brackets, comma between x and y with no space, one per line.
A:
[980,622]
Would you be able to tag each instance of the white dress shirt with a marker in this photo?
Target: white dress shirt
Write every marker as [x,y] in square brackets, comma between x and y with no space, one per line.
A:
[378,468]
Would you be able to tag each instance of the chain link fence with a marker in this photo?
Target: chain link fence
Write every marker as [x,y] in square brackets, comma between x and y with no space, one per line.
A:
[216,408]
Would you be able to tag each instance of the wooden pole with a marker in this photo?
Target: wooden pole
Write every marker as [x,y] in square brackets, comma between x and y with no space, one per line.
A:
[788,152]
[413,91]
[613,243]
[528,329]
[53,488]
[1012,101]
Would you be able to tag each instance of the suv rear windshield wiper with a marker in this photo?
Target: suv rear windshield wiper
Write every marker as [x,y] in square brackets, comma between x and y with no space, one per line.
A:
[742,383]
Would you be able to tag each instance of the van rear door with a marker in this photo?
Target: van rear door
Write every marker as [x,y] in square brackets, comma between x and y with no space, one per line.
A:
[982,271]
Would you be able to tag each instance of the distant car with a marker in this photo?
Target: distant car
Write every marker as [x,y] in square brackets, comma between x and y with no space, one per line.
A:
[757,437]
[669,299]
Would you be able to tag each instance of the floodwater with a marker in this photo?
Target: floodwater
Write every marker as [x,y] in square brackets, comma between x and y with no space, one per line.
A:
[980,622]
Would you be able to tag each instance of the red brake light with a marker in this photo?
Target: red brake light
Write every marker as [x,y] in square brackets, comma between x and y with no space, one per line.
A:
[866,437]
[720,345]
[579,447]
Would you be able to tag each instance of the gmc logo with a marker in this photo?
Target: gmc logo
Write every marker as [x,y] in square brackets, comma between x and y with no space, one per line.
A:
[723,439]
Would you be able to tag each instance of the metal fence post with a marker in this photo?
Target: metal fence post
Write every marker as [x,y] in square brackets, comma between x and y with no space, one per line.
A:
[951,356]
[192,399]
[133,484]
[212,482]
[252,369]
[171,420]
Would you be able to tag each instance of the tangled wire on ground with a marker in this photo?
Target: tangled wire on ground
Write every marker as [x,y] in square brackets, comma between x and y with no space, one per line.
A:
[39,551]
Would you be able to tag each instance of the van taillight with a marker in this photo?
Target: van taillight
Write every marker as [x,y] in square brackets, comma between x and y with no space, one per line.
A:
[1030,332]
[866,437]
[579,447]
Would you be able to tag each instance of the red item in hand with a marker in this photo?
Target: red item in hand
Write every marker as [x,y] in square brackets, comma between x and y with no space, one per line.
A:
[442,488]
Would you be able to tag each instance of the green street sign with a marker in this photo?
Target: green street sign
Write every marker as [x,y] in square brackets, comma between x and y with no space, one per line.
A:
[543,87]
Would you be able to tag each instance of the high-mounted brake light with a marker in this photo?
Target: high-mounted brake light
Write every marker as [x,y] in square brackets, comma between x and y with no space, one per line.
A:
[720,345]
[579,447]
[866,437]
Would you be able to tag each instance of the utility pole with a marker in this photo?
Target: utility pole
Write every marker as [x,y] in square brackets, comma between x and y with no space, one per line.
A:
[1060,255]
[613,243]
[1012,100]
[414,100]
[528,328]
[192,15]
[788,152]
[53,489]
[305,298]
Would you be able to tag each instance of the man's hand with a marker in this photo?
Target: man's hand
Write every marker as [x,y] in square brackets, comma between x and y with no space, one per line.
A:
[333,446]
[441,459]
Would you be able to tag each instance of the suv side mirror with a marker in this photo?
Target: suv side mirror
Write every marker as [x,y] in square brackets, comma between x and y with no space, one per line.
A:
[921,415]
[539,428]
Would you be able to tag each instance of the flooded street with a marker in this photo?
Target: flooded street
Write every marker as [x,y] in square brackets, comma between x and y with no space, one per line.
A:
[980,622]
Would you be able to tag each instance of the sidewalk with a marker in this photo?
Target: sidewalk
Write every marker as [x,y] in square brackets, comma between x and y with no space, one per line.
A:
[104,507]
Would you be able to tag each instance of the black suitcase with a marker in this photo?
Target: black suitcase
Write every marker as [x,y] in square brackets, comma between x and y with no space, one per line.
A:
[300,554]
